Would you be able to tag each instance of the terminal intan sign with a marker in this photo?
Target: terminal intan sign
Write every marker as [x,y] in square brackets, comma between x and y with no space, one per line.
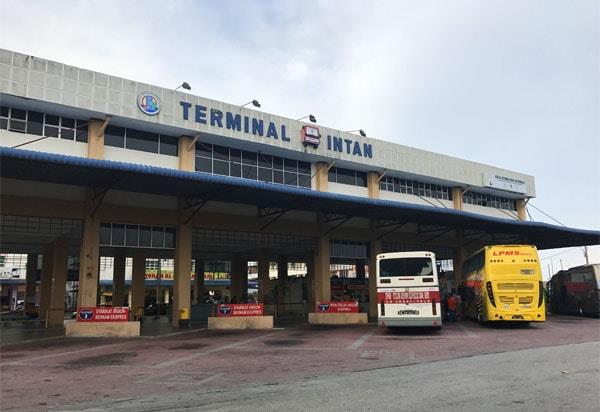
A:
[103,314]
[238,122]
[239,309]
[337,307]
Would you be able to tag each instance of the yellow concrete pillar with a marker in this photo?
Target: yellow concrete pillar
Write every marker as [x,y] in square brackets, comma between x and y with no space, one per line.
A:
[30,285]
[199,281]
[457,197]
[46,280]
[183,269]
[373,185]
[56,311]
[263,278]
[375,249]
[521,209]
[321,176]
[118,297]
[89,259]
[322,281]
[95,139]
[138,279]
[187,154]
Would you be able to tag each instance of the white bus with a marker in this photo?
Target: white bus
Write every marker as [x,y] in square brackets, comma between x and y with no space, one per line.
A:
[408,293]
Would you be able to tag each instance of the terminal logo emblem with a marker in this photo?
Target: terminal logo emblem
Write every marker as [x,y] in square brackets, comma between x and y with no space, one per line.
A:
[311,136]
[225,310]
[149,103]
[86,314]
[323,307]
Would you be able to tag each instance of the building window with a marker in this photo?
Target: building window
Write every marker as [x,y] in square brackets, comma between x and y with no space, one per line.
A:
[43,124]
[133,139]
[487,200]
[413,187]
[137,236]
[347,177]
[225,161]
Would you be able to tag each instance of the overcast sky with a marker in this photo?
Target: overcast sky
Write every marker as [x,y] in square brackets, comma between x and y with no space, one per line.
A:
[515,84]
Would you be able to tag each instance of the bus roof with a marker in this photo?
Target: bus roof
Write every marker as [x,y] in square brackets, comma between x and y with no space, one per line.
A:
[396,255]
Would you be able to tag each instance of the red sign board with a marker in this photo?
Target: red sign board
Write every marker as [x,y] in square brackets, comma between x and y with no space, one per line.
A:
[337,307]
[103,314]
[408,297]
[240,309]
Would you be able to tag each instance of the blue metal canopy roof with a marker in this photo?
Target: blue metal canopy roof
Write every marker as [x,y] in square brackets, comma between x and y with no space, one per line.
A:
[93,173]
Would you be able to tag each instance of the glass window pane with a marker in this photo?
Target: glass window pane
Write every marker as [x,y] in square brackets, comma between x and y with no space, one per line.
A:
[304,167]
[114,136]
[220,167]
[3,111]
[131,235]
[18,114]
[345,176]
[118,235]
[220,152]
[158,236]
[290,165]
[203,165]
[304,181]
[143,141]
[235,155]
[35,123]
[277,176]
[170,237]
[277,163]
[68,134]
[52,120]
[265,161]
[291,178]
[17,125]
[203,149]
[266,175]
[81,135]
[3,124]
[248,158]
[249,172]
[145,236]
[332,175]
[168,145]
[361,179]
[66,122]
[235,170]
[105,234]
[50,131]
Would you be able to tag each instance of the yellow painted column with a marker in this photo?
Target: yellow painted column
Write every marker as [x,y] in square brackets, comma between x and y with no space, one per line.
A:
[183,269]
[373,185]
[457,197]
[46,280]
[521,209]
[138,281]
[186,154]
[95,139]
[375,249]
[56,311]
[30,286]
[118,297]
[89,259]
[322,281]
[263,278]
[321,177]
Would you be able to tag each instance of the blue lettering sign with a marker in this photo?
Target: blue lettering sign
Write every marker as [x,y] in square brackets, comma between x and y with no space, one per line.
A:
[348,143]
[200,114]
[233,122]
[216,117]
[186,109]
[257,126]
[368,150]
[337,144]
[356,150]
[272,130]
[283,135]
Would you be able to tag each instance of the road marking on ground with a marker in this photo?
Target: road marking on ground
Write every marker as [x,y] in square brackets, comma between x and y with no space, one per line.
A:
[469,332]
[359,342]
[54,355]
[210,351]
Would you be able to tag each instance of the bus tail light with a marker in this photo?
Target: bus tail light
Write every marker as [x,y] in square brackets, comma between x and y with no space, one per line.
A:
[434,307]
[382,309]
[541,294]
[490,293]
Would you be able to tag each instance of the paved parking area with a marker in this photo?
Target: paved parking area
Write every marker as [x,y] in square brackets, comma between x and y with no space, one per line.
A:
[58,372]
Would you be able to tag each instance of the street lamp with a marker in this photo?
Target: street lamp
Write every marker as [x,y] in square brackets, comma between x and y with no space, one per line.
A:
[185,85]
[310,117]
[360,131]
[254,103]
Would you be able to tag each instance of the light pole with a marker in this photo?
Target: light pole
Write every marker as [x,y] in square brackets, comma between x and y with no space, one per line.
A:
[184,85]
[360,131]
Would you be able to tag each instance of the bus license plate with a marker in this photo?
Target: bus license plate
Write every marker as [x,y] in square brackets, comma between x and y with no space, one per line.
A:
[408,312]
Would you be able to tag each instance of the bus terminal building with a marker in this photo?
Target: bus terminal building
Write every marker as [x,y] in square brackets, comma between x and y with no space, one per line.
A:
[96,166]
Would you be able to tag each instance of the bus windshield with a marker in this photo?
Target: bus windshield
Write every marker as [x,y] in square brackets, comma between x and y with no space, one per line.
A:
[417,266]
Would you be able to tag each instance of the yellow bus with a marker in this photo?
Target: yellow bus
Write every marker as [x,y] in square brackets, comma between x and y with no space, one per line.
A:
[504,283]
